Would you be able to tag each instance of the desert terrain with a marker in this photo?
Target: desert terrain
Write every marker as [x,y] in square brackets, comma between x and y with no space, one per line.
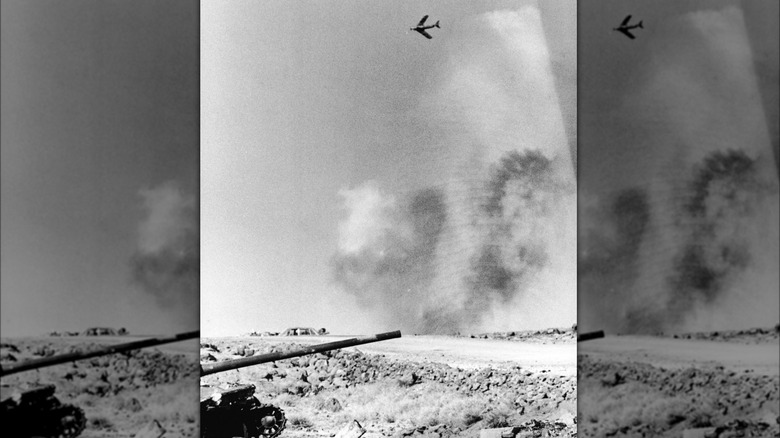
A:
[716,384]
[434,386]
[121,394]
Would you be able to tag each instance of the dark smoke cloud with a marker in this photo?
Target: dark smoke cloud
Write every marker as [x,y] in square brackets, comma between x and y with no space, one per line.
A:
[521,193]
[717,215]
[608,255]
[700,250]
[391,256]
[714,220]
[713,224]
[622,226]
[392,261]
[531,168]
[166,263]
[497,249]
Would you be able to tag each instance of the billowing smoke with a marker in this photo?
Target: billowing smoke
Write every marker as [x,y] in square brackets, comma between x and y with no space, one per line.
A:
[716,219]
[492,247]
[693,245]
[166,263]
[517,243]
[609,251]
[387,251]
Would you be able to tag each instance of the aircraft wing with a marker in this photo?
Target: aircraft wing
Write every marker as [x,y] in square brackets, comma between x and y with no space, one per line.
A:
[422,21]
[627,33]
[626,20]
[424,33]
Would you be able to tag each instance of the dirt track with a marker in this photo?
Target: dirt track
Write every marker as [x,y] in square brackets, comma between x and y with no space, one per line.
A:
[659,386]
[678,353]
[458,352]
[436,386]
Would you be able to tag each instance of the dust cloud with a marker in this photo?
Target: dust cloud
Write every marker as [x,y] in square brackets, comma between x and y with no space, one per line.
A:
[691,241]
[166,263]
[492,246]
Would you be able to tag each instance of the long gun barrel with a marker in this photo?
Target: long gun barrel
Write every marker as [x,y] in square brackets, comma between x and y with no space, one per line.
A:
[70,357]
[206,369]
[590,335]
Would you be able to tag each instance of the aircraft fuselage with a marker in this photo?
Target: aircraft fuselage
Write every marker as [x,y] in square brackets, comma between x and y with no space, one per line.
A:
[622,28]
[423,27]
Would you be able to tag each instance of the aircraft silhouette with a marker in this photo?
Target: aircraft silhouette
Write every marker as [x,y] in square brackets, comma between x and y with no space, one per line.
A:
[624,27]
[421,27]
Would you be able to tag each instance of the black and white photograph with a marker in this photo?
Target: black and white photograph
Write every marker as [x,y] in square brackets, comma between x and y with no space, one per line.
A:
[100,218]
[678,250]
[388,216]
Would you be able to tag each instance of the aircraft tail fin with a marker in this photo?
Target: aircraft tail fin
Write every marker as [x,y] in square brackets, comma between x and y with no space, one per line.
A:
[437,24]
[640,25]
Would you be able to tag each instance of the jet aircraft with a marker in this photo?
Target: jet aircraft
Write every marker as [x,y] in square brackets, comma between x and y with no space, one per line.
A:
[625,28]
[421,27]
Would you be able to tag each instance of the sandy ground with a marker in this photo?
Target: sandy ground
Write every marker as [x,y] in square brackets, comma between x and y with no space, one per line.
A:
[121,393]
[661,386]
[459,352]
[433,386]
[680,353]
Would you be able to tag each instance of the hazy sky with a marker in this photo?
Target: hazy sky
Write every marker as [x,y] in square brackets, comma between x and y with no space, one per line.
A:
[302,100]
[700,79]
[100,142]
[612,66]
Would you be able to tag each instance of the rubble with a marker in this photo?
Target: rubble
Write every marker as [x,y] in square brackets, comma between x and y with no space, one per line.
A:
[153,429]
[756,335]
[691,399]
[550,335]
[529,429]
[530,393]
[344,369]
[119,393]
[352,429]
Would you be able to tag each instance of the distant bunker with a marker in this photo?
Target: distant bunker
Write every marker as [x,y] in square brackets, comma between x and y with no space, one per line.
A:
[303,331]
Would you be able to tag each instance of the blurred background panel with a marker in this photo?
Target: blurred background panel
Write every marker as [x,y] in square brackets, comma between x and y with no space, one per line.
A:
[100,204]
[678,241]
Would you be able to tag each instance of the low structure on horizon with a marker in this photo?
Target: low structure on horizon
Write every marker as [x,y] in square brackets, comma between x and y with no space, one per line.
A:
[104,331]
[303,331]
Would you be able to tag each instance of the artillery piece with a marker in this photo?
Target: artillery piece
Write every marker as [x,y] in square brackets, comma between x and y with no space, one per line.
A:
[33,411]
[234,411]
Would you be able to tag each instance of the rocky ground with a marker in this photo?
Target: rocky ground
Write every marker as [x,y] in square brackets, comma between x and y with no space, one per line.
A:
[548,336]
[395,394]
[120,393]
[750,336]
[644,391]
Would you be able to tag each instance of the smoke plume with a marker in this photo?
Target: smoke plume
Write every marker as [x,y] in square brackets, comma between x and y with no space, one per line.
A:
[693,245]
[166,263]
[492,246]
[388,249]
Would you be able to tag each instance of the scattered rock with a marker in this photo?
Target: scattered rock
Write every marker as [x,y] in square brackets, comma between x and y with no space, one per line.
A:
[352,429]
[331,405]
[153,429]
